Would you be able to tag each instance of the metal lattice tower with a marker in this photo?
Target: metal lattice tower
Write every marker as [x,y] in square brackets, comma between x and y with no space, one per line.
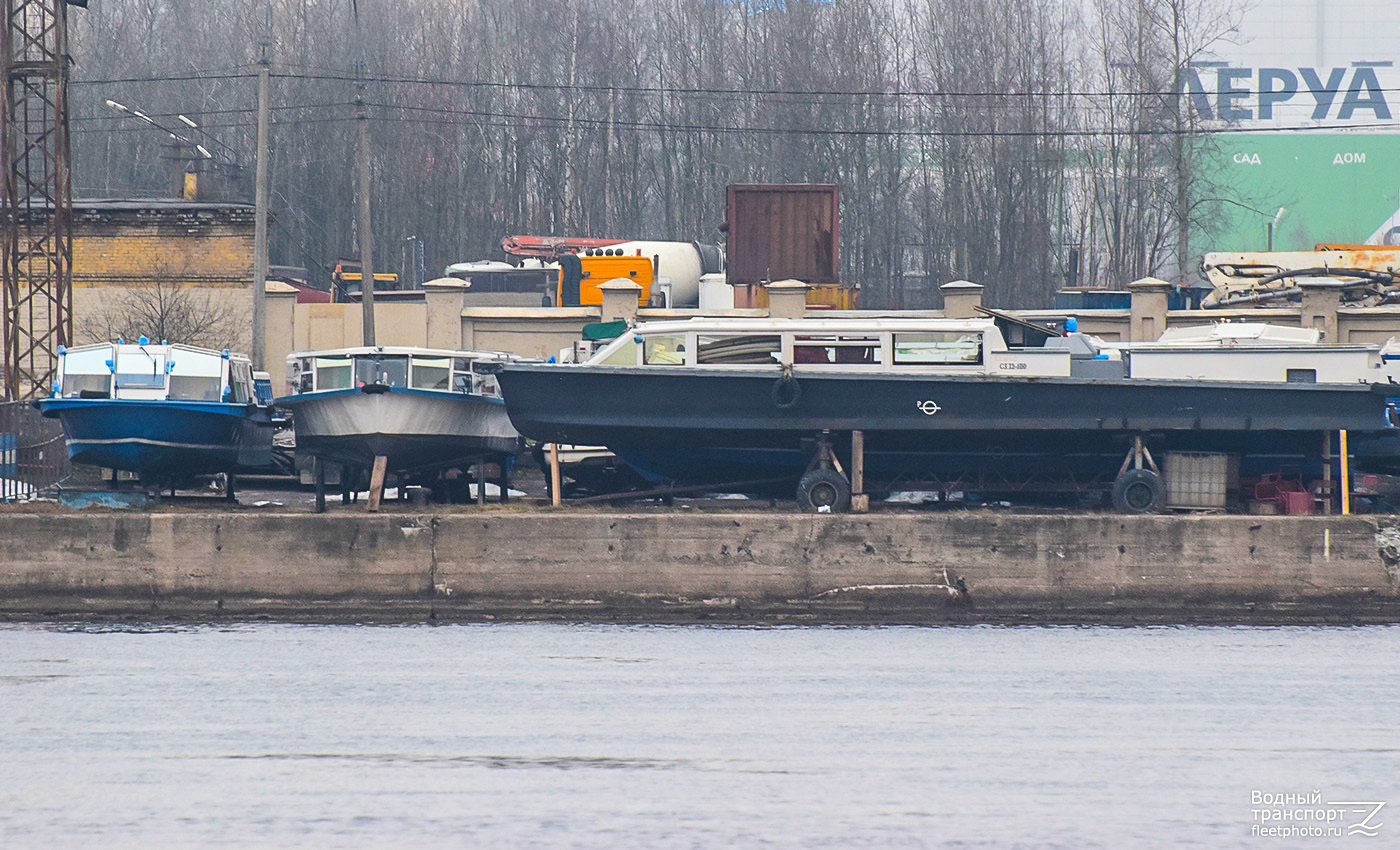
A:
[38,194]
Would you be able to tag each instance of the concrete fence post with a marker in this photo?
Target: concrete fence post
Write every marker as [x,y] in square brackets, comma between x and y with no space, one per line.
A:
[1148,308]
[961,298]
[1322,296]
[787,299]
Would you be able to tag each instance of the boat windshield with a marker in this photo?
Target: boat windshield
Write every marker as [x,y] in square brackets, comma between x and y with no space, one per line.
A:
[432,373]
[623,352]
[138,367]
[391,370]
[196,377]
[333,373]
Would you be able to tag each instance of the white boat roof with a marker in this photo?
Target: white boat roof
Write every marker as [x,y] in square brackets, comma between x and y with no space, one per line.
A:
[1239,333]
[835,324]
[154,346]
[410,350]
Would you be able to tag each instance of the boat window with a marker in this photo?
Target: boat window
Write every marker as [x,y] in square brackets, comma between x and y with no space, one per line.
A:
[665,350]
[461,380]
[194,388]
[487,385]
[92,362]
[1300,376]
[834,348]
[185,362]
[86,373]
[623,354]
[432,373]
[240,382]
[391,371]
[87,386]
[262,388]
[738,348]
[333,373]
[140,368]
[953,347]
[301,376]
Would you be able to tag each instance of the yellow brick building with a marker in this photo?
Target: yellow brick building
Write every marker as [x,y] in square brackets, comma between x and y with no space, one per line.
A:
[135,255]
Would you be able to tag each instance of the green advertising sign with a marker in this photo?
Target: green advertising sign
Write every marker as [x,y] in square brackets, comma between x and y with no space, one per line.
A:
[1335,188]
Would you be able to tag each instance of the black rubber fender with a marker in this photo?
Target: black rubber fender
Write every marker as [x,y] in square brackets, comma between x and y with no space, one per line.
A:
[1139,491]
[786,392]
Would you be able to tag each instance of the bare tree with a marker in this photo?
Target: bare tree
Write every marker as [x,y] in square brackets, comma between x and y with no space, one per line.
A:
[165,310]
[971,138]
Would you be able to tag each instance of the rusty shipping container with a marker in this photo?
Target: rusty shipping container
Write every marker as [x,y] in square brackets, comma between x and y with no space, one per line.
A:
[780,232]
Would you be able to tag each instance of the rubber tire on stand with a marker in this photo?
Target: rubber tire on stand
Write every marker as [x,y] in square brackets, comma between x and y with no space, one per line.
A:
[1139,491]
[824,488]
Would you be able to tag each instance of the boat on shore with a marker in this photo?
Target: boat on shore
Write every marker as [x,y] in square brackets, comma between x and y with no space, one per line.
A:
[167,412]
[720,400]
[424,410]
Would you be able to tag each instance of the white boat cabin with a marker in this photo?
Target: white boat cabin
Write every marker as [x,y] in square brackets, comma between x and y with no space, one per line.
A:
[149,371]
[1243,352]
[412,368]
[943,346]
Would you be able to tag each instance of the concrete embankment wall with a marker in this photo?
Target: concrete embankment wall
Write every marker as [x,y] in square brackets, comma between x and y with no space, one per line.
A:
[680,566]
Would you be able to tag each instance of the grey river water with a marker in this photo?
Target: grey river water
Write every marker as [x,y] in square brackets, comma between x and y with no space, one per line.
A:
[544,735]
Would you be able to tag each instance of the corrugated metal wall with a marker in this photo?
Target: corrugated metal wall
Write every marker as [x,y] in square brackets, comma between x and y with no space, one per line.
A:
[780,232]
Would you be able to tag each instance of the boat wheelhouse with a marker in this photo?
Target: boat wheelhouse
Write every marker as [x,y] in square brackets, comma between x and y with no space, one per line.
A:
[423,410]
[722,400]
[167,412]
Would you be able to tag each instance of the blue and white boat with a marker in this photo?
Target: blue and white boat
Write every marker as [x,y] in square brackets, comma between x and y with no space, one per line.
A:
[423,409]
[167,412]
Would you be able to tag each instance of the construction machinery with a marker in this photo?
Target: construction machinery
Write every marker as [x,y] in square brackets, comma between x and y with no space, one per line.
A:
[1366,275]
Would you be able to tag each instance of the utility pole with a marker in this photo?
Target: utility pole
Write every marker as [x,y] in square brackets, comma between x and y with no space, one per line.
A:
[1182,123]
[259,353]
[362,166]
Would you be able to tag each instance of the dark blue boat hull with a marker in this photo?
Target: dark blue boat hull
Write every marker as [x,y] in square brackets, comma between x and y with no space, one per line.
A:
[164,439]
[699,426]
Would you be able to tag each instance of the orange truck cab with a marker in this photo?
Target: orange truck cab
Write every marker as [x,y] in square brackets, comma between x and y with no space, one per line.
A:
[581,274]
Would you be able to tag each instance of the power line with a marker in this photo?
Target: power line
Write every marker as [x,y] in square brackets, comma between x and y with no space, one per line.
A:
[678,91]
[521,120]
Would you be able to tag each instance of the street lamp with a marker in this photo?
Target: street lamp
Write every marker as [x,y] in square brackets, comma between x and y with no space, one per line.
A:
[177,140]
[136,113]
[228,153]
[1278,216]
[181,147]
[1273,222]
